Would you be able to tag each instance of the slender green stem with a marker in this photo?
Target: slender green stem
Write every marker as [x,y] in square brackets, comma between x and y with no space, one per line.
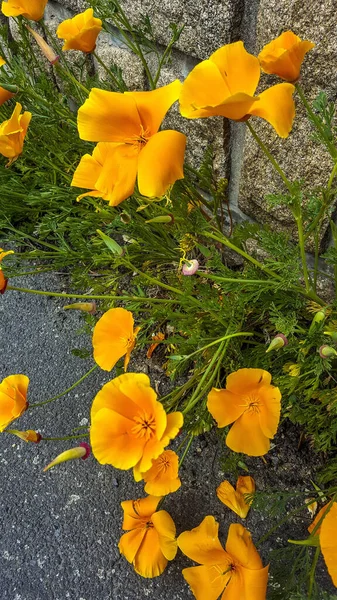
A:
[312,573]
[65,437]
[110,73]
[186,450]
[66,391]
[316,121]
[234,279]
[91,296]
[301,243]
[72,78]
[270,157]
[316,256]
[226,337]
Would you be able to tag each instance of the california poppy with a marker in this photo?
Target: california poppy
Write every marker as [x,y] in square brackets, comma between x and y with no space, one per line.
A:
[4,94]
[237,572]
[150,542]
[253,404]
[13,398]
[31,9]
[129,427]
[225,85]
[328,541]
[284,56]
[3,282]
[236,499]
[80,32]
[13,132]
[114,336]
[130,122]
[162,478]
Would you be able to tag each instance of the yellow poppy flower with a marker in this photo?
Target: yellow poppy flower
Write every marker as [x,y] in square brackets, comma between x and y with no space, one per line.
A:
[114,335]
[328,542]
[150,542]
[163,478]
[225,85]
[130,122]
[237,572]
[129,427]
[80,32]
[4,253]
[235,499]
[284,56]
[13,398]
[13,132]
[253,405]
[31,9]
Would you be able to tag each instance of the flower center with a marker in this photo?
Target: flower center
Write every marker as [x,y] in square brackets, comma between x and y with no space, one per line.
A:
[252,404]
[140,140]
[145,426]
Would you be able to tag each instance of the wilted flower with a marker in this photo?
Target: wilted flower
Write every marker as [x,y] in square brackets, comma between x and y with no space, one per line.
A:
[13,398]
[225,84]
[284,56]
[130,122]
[13,132]
[162,478]
[237,572]
[80,32]
[129,427]
[27,436]
[82,451]
[89,307]
[150,542]
[236,499]
[190,267]
[253,404]
[114,336]
[31,9]
[45,48]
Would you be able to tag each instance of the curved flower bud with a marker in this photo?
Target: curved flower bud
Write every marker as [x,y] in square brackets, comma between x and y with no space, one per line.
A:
[277,342]
[190,267]
[45,48]
[82,451]
[284,56]
[326,351]
[318,318]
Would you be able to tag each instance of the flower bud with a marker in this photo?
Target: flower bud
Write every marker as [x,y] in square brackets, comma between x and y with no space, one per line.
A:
[277,342]
[332,334]
[82,451]
[190,267]
[161,219]
[46,49]
[319,316]
[27,436]
[89,307]
[326,351]
[125,218]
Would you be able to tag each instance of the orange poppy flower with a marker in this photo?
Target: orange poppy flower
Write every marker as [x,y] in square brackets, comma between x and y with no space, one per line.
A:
[3,282]
[13,398]
[4,94]
[114,335]
[130,122]
[31,9]
[253,405]
[235,499]
[225,85]
[237,572]
[163,478]
[150,542]
[328,542]
[318,518]
[80,32]
[284,56]
[129,427]
[13,132]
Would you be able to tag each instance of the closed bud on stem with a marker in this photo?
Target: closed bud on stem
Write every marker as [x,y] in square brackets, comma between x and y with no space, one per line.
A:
[45,48]
[27,436]
[190,267]
[89,307]
[326,351]
[332,334]
[318,318]
[82,451]
[277,342]
[161,219]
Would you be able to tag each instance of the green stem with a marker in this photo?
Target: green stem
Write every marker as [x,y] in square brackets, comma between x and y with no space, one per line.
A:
[63,438]
[66,391]
[90,296]
[226,337]
[72,78]
[316,121]
[110,73]
[186,450]
[301,243]
[312,572]
[270,157]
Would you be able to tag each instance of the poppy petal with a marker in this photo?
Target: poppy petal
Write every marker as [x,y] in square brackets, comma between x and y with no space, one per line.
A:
[111,337]
[246,435]
[239,69]
[149,560]
[328,542]
[130,543]
[166,529]
[245,380]
[202,544]
[111,396]
[108,117]
[240,546]
[152,106]
[269,410]
[232,499]
[276,105]
[174,423]
[118,175]
[224,406]
[207,581]
[112,442]
[138,510]
[160,163]
[203,86]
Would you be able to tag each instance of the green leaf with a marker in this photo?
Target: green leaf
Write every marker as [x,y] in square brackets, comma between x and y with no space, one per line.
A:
[110,243]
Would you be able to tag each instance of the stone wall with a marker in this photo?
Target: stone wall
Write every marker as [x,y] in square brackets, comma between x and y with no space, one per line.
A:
[208,25]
